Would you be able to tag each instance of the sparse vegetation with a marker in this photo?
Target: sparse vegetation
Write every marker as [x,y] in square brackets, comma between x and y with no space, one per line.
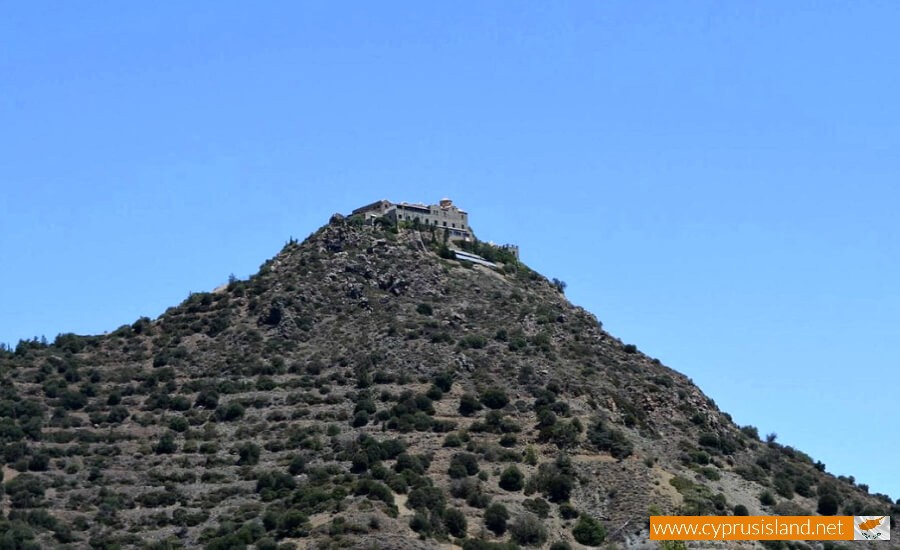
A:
[609,439]
[528,530]
[357,385]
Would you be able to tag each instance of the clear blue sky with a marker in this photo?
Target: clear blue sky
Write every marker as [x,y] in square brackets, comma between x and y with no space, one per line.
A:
[717,181]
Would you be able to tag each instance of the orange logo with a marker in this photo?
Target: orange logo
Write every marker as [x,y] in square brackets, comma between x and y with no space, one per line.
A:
[871,523]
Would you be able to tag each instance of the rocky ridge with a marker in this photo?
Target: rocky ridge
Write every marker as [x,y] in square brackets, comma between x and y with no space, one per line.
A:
[365,389]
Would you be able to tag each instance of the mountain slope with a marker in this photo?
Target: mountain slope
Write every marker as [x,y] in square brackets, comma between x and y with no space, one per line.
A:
[363,389]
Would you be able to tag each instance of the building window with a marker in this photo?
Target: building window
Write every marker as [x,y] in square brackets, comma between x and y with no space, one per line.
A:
[453,224]
[445,224]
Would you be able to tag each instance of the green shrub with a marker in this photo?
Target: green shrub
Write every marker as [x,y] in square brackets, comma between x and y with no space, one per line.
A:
[710,440]
[494,398]
[563,434]
[452,440]
[248,454]
[784,487]
[495,518]
[406,461]
[293,523]
[517,343]
[567,511]
[588,531]
[609,439]
[208,399]
[117,414]
[359,463]
[751,431]
[25,491]
[542,341]
[73,400]
[365,404]
[528,530]
[178,424]
[430,498]
[360,419]
[741,510]
[375,490]
[158,499]
[802,486]
[698,457]
[462,465]
[555,480]
[474,341]
[419,523]
[828,504]
[512,479]
[681,484]
[424,309]
[537,506]
[230,412]
[455,522]
[179,403]
[767,498]
[297,465]
[274,484]
[559,487]
[559,285]
[166,444]
[530,457]
[469,404]
[444,381]
[39,462]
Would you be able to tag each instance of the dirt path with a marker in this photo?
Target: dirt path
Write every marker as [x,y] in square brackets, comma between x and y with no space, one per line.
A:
[9,474]
[400,502]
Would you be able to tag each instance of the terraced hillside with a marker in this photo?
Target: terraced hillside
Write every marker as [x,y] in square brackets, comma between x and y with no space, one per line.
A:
[366,390]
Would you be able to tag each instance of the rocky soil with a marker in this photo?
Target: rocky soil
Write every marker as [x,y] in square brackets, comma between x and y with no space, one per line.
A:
[365,391]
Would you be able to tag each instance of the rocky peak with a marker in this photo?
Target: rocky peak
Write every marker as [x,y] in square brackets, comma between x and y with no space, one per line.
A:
[365,387]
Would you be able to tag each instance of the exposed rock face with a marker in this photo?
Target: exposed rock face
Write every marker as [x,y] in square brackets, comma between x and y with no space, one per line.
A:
[360,391]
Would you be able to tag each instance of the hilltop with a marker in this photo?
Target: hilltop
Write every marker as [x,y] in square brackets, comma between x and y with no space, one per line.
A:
[369,387]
